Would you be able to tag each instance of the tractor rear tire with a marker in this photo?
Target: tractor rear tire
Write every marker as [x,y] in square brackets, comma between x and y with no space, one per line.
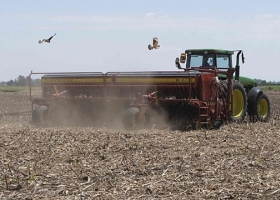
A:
[38,115]
[239,100]
[130,119]
[262,108]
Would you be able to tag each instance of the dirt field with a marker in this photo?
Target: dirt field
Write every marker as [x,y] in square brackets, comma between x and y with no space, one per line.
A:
[238,161]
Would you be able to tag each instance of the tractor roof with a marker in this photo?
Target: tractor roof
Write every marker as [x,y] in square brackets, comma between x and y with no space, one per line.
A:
[203,51]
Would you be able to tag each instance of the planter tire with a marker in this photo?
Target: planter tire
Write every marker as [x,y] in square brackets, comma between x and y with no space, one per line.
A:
[130,119]
[39,115]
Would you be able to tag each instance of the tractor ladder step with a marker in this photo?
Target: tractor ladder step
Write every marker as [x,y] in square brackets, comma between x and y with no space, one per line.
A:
[203,115]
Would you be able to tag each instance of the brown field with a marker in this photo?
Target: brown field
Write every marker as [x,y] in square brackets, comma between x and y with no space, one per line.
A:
[238,161]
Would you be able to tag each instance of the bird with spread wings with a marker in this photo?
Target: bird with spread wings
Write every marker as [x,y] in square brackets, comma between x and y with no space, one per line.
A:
[155,44]
[46,40]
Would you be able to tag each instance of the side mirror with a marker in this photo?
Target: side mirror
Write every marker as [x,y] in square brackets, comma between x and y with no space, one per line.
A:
[243,58]
[177,63]
[183,58]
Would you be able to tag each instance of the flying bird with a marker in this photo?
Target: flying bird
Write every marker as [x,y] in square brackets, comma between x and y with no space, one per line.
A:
[155,44]
[46,40]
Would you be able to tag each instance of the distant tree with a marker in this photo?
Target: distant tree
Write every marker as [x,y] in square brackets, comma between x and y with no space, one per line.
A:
[10,82]
[22,81]
[263,82]
[37,82]
[4,83]
[15,82]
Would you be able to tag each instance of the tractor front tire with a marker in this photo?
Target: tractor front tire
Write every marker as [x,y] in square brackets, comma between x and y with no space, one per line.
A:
[262,108]
[130,119]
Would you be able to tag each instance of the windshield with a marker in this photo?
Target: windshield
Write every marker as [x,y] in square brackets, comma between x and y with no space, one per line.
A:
[208,60]
[223,61]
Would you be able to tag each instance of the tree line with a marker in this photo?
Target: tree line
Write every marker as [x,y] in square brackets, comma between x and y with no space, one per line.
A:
[22,81]
[264,82]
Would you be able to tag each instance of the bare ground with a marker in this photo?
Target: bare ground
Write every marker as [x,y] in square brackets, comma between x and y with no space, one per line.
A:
[238,161]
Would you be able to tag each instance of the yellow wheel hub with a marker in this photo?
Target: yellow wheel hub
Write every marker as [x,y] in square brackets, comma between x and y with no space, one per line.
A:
[263,108]
[238,103]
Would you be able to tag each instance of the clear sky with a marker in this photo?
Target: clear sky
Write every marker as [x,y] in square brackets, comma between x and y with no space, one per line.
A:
[111,35]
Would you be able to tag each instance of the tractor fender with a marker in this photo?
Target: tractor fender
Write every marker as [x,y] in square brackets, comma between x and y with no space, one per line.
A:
[252,97]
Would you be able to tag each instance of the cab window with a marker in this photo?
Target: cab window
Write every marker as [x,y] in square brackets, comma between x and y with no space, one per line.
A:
[206,60]
[223,61]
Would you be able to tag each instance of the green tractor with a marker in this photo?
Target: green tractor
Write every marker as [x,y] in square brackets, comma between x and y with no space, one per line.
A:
[246,96]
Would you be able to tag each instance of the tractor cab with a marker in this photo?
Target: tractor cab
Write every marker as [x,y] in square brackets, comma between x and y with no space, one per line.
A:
[206,58]
[213,58]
